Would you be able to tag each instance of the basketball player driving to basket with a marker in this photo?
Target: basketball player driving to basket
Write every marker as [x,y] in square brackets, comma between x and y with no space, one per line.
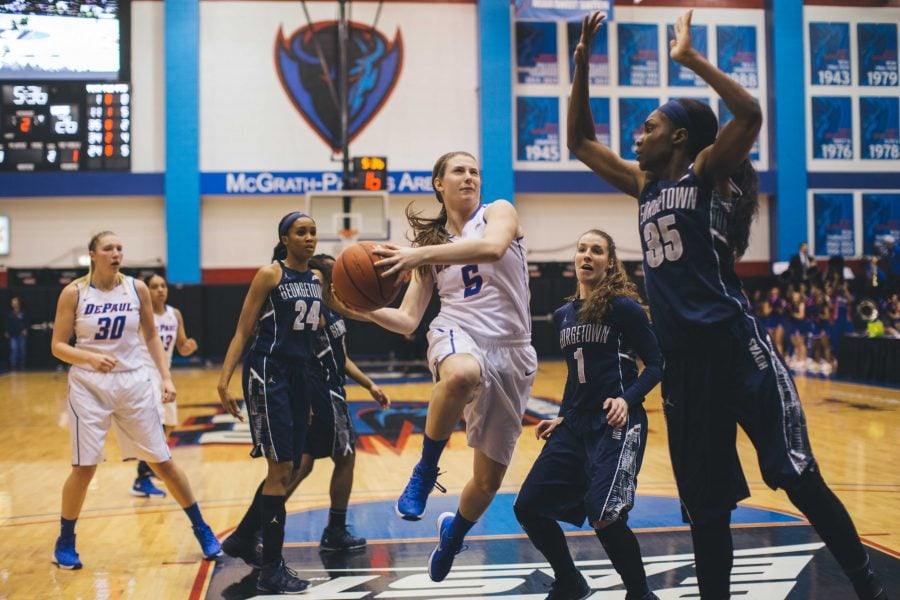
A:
[479,345]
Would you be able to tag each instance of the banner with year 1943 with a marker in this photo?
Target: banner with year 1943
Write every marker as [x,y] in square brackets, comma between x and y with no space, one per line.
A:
[829,53]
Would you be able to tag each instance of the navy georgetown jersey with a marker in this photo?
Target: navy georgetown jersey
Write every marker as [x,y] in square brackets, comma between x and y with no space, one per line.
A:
[688,266]
[601,357]
[289,317]
[331,349]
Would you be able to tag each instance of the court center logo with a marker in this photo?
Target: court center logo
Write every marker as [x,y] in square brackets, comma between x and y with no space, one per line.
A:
[307,64]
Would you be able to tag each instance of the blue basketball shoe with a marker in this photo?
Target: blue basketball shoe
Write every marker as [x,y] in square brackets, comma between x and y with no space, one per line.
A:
[143,487]
[64,554]
[441,559]
[208,541]
[411,504]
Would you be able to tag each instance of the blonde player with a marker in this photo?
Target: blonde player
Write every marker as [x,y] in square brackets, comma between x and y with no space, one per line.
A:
[170,328]
[112,319]
[479,346]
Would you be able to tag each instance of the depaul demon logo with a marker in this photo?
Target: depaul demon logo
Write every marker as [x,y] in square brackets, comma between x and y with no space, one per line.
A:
[308,63]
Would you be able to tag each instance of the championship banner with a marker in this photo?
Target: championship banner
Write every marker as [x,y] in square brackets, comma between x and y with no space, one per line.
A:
[632,114]
[737,55]
[879,127]
[881,218]
[536,60]
[833,218]
[877,44]
[831,128]
[561,10]
[638,54]
[598,73]
[725,116]
[680,76]
[537,138]
[829,53]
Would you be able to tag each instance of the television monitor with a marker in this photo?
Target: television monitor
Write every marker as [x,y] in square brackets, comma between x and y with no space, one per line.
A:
[83,40]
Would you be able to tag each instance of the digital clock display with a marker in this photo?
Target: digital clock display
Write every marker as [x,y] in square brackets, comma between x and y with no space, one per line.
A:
[65,126]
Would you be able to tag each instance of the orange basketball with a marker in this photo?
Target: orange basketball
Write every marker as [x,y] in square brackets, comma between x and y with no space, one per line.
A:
[358,283]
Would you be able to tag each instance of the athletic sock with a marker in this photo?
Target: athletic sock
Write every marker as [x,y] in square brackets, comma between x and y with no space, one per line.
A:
[271,518]
[249,524]
[623,551]
[459,527]
[193,513]
[431,451]
[713,556]
[66,527]
[337,518]
[830,520]
[548,537]
[143,470]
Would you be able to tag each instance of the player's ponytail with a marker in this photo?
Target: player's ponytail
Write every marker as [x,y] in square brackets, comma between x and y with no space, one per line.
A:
[744,207]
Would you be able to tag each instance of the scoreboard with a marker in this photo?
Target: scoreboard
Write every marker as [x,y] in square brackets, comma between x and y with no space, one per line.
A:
[65,126]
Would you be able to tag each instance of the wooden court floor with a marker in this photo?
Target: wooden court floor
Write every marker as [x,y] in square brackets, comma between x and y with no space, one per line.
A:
[140,548]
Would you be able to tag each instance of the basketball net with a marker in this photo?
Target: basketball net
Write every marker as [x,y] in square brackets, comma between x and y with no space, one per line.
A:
[348,237]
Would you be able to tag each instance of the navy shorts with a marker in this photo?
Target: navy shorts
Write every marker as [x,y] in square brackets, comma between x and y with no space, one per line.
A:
[277,396]
[737,379]
[331,432]
[587,469]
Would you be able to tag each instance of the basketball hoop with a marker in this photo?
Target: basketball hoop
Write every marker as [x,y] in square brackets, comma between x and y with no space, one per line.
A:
[348,237]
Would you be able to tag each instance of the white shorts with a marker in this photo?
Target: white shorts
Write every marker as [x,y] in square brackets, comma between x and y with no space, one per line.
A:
[508,366]
[123,399]
[168,411]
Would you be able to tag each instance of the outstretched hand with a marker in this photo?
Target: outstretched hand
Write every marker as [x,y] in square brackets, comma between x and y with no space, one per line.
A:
[682,46]
[589,28]
[397,259]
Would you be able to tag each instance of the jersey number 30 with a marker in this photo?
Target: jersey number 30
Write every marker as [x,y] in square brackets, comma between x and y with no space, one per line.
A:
[663,242]
[110,329]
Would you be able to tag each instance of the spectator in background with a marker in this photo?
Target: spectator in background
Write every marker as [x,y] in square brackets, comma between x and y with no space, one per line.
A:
[803,266]
[17,332]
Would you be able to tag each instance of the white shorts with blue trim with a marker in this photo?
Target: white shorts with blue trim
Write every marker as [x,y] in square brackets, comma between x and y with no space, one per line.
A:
[121,399]
[168,411]
[508,366]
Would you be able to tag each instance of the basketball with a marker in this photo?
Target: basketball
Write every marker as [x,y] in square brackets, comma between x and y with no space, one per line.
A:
[358,283]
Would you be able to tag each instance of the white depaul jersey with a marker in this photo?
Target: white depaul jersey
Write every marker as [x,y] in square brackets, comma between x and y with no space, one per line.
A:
[109,322]
[490,299]
[167,329]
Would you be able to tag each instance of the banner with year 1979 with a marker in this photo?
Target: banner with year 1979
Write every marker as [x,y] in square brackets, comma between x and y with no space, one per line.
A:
[877,54]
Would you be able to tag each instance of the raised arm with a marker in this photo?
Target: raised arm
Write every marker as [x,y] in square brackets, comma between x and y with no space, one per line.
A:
[718,161]
[263,282]
[582,139]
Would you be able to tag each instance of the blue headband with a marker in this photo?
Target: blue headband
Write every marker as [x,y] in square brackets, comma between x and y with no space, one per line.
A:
[676,113]
[284,226]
